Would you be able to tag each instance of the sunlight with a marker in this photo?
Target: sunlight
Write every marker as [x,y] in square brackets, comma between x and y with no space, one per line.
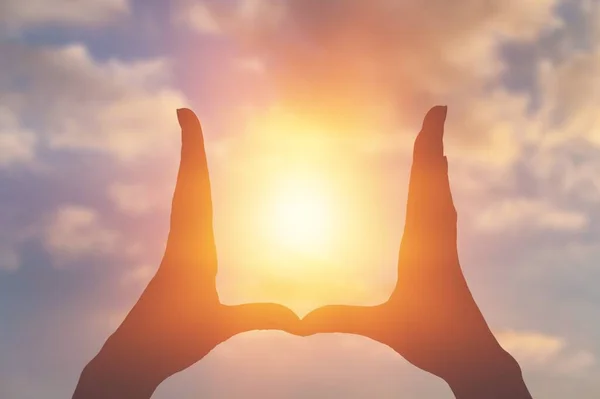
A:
[296,222]
[300,217]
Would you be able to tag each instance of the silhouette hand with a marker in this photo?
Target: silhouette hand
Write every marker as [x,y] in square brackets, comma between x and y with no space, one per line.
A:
[431,318]
[178,319]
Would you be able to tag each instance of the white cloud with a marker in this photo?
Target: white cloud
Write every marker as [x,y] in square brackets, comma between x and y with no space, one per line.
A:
[569,84]
[224,18]
[536,351]
[198,17]
[17,145]
[531,347]
[378,63]
[567,147]
[135,199]
[17,14]
[571,92]
[529,214]
[498,124]
[139,275]
[123,108]
[131,127]
[76,231]
[561,168]
[525,19]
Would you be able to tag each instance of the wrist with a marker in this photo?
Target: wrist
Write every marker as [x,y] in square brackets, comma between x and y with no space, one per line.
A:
[496,376]
[115,376]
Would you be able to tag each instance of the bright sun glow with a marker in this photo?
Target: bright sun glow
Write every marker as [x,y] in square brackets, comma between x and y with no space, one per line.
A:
[301,217]
[295,216]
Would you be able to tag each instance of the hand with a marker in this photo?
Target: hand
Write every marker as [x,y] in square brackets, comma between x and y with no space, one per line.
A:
[431,318]
[178,319]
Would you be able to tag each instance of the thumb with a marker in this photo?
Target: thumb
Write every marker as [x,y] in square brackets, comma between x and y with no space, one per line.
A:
[261,316]
[359,320]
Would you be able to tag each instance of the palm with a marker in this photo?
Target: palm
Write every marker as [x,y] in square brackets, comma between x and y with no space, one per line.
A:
[431,318]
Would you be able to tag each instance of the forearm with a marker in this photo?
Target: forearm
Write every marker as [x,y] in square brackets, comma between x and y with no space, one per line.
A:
[500,379]
[111,376]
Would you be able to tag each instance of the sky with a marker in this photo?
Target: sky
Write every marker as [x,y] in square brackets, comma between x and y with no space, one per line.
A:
[312,100]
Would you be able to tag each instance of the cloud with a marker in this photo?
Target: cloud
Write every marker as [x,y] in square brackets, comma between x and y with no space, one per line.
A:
[529,214]
[568,83]
[17,144]
[126,109]
[135,199]
[569,144]
[76,231]
[211,18]
[536,351]
[386,68]
[567,154]
[487,130]
[368,67]
[571,92]
[198,17]
[531,347]
[138,276]
[18,14]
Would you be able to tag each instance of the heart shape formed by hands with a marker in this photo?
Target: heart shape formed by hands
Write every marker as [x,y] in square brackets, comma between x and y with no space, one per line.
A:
[431,318]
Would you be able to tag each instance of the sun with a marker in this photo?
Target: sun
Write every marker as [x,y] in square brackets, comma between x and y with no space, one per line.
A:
[300,216]
[296,212]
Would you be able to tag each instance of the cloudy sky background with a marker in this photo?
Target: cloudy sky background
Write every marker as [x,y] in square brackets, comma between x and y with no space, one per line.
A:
[89,150]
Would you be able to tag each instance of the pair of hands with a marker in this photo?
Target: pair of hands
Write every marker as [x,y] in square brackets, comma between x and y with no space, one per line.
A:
[431,318]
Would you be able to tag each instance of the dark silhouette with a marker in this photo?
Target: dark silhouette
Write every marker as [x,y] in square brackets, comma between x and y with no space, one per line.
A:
[178,318]
[431,318]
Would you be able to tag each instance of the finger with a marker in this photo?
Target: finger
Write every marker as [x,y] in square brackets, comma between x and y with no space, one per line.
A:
[191,239]
[359,320]
[261,316]
[430,209]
